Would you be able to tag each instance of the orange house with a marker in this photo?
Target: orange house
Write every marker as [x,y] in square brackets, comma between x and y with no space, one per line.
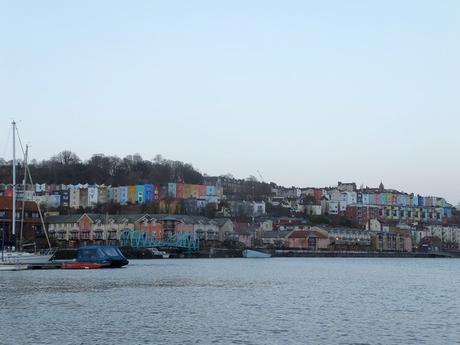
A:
[150,225]
[85,228]
[305,239]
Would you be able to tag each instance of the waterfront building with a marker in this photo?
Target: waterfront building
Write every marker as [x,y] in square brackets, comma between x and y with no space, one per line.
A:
[346,239]
[60,228]
[313,239]
[226,228]
[246,233]
[151,224]
[391,241]
[278,239]
[33,229]
[449,235]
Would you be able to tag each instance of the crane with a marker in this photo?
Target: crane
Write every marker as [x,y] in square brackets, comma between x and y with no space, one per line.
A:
[261,177]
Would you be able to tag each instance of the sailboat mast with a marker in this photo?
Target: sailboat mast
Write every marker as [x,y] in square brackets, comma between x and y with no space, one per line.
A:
[24,185]
[13,218]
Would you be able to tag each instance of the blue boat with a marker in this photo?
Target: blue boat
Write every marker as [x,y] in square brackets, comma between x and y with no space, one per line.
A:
[254,254]
[107,256]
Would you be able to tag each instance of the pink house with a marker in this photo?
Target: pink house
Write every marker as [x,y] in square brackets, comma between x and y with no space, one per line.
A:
[308,239]
[245,233]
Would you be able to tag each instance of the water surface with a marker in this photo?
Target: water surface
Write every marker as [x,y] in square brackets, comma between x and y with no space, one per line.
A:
[236,301]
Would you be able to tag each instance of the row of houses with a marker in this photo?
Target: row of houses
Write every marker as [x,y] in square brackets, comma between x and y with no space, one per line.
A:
[85,195]
[283,232]
[360,215]
[289,232]
[362,205]
[93,228]
[339,239]
[88,228]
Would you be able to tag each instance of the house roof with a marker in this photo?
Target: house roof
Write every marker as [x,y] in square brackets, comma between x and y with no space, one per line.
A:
[299,234]
[245,228]
[320,232]
[276,234]
[133,218]
[72,218]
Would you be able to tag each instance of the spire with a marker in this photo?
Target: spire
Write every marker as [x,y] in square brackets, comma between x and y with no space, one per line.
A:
[381,186]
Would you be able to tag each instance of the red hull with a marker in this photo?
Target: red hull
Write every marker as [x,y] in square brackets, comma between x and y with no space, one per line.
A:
[81,265]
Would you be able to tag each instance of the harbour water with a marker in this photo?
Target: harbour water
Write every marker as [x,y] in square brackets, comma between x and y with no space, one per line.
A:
[236,301]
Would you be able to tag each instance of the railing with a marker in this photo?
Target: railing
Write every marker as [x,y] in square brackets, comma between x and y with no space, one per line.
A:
[144,239]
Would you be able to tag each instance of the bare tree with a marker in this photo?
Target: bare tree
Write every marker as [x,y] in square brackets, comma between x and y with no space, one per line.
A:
[66,157]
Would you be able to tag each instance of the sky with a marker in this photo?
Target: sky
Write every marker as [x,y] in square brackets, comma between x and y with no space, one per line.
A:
[308,93]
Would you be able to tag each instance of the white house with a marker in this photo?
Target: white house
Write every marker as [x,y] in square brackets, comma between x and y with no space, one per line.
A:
[93,194]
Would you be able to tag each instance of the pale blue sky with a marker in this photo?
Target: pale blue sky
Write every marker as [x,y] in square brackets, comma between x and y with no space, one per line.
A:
[307,92]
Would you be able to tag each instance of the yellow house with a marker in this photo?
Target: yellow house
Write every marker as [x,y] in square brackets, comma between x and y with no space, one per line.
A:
[132,194]
[187,191]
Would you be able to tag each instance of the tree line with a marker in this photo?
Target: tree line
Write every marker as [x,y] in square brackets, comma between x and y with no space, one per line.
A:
[67,168]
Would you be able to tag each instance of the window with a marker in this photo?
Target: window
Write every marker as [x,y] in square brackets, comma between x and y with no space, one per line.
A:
[98,235]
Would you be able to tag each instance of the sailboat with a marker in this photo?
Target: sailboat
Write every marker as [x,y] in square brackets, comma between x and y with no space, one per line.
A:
[14,259]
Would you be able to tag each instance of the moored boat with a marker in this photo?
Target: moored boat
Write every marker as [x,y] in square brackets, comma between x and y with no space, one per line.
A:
[13,267]
[159,254]
[254,254]
[24,258]
[107,256]
[14,256]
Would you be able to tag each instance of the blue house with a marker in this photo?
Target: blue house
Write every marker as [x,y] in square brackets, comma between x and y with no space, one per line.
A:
[140,194]
[149,191]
